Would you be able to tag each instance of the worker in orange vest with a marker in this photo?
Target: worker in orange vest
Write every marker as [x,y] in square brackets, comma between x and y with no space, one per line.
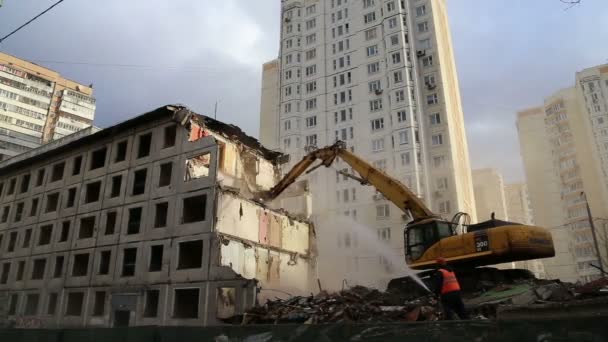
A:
[448,289]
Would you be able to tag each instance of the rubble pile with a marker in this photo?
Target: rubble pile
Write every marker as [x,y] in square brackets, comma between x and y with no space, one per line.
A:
[357,304]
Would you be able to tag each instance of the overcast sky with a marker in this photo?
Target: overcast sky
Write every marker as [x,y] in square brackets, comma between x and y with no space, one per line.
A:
[510,55]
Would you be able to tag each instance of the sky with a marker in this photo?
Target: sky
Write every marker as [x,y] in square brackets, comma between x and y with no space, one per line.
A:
[510,54]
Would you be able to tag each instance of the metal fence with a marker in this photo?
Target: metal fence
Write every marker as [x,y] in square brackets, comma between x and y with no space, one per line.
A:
[572,329]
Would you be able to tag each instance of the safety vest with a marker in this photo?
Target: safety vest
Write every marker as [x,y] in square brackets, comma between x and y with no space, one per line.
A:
[450,283]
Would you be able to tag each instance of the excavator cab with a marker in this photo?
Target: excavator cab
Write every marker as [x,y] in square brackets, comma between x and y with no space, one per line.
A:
[421,235]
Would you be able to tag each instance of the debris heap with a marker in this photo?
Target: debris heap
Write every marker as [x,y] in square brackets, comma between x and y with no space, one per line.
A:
[357,304]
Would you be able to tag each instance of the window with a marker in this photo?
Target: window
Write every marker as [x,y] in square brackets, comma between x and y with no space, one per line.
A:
[375,105]
[444,207]
[58,271]
[384,234]
[194,209]
[139,182]
[399,96]
[151,303]
[311,121]
[437,139]
[52,304]
[373,68]
[368,3]
[372,50]
[134,221]
[25,183]
[56,174]
[398,76]
[31,304]
[429,81]
[104,262]
[377,124]
[392,23]
[403,137]
[170,136]
[98,158]
[396,58]
[427,61]
[160,214]
[110,222]
[121,151]
[74,304]
[39,177]
[432,99]
[401,116]
[424,44]
[71,198]
[369,17]
[12,242]
[190,255]
[311,70]
[44,237]
[378,145]
[12,307]
[435,119]
[442,183]
[311,54]
[405,158]
[394,39]
[156,258]
[65,231]
[27,238]
[99,306]
[370,34]
[311,24]
[311,140]
[6,268]
[185,303]
[87,227]
[38,269]
[390,6]
[77,166]
[93,192]
[421,10]
[52,202]
[128,262]
[380,164]
[423,26]
[19,211]
[311,104]
[20,270]
[116,185]
[311,86]
[382,211]
[311,39]
[438,161]
[375,86]
[145,143]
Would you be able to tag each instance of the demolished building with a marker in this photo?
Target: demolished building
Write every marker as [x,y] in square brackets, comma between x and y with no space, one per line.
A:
[147,222]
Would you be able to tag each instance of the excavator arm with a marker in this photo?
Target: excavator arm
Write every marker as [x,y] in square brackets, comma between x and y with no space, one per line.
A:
[391,188]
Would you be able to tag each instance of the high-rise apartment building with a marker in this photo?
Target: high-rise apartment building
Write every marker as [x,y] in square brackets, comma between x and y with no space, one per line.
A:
[37,105]
[518,203]
[575,135]
[379,75]
[519,211]
[490,194]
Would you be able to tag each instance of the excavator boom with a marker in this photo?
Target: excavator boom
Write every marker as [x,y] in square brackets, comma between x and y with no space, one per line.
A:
[391,188]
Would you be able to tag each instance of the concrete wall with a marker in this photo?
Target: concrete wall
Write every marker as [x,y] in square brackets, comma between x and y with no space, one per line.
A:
[104,248]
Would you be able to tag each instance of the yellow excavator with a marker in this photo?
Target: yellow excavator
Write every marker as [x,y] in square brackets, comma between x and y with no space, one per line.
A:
[428,236]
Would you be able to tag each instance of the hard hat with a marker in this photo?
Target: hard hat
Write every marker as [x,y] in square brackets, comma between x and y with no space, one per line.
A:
[441,261]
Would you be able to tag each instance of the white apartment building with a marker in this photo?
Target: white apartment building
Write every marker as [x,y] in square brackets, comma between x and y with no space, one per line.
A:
[37,105]
[576,133]
[490,198]
[379,75]
[518,208]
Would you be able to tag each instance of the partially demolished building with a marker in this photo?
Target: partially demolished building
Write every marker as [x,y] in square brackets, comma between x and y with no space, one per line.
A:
[147,222]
